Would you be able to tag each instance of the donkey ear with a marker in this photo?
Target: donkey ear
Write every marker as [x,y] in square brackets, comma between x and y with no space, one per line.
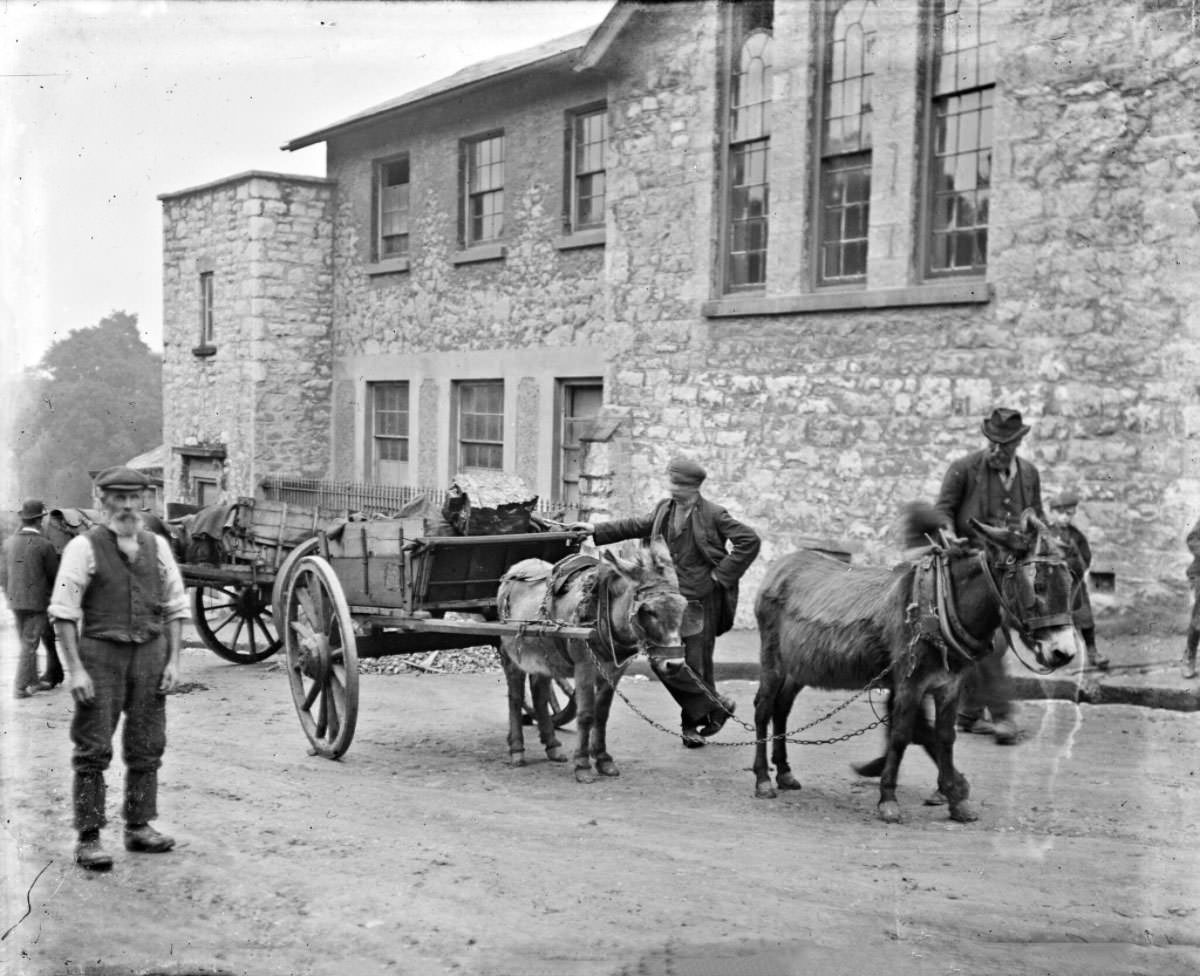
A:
[1000,537]
[623,566]
[660,552]
[1030,523]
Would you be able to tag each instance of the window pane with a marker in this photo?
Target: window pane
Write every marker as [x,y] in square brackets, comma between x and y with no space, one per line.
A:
[849,46]
[845,217]
[481,425]
[750,90]
[390,431]
[393,200]
[748,213]
[959,177]
[589,139]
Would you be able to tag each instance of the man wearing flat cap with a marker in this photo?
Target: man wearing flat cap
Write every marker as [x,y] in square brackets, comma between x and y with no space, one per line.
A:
[711,550]
[118,609]
[27,577]
[1079,558]
[994,486]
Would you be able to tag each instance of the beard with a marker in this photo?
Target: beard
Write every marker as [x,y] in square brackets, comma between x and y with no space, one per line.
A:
[998,462]
[125,524]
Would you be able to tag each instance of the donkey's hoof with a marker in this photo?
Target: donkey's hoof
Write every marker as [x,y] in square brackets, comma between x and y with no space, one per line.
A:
[964,812]
[889,811]
[555,754]
[584,774]
[765,791]
[606,767]
[516,759]
[786,781]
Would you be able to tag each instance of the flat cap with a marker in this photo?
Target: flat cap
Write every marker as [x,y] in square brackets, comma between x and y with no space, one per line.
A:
[686,473]
[1068,499]
[121,478]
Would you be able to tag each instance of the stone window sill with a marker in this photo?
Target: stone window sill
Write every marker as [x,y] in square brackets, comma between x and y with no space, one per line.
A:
[581,238]
[203,352]
[974,292]
[387,266]
[481,252]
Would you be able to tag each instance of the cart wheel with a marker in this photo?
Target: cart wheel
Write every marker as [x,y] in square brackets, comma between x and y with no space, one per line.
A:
[283,575]
[235,621]
[322,661]
[562,712]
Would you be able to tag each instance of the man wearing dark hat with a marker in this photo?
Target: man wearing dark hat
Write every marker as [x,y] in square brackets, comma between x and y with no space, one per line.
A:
[27,577]
[994,486]
[118,608]
[1079,558]
[711,550]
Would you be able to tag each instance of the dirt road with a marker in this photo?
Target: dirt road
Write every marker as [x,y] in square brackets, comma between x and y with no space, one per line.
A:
[423,852]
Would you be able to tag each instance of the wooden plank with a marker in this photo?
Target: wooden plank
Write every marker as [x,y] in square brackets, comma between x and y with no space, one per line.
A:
[381,617]
[228,573]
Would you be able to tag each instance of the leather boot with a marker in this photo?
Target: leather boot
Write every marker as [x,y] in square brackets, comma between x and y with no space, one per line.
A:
[1095,659]
[1189,663]
[89,855]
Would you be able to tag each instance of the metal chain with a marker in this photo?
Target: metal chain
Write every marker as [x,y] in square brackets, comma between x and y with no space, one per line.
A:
[787,736]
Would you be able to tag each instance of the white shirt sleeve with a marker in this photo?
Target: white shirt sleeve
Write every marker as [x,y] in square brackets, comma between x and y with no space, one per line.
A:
[75,571]
[174,596]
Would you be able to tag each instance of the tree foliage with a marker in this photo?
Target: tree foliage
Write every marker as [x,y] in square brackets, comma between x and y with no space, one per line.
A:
[95,401]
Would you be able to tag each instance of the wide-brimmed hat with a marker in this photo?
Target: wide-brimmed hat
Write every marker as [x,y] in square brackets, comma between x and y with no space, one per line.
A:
[32,508]
[686,473]
[122,478]
[1004,425]
[1067,499]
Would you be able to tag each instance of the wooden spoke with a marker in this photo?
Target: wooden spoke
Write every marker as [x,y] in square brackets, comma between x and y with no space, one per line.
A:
[225,617]
[322,659]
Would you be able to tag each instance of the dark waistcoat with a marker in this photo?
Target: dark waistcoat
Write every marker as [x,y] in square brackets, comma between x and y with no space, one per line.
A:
[692,566]
[123,601]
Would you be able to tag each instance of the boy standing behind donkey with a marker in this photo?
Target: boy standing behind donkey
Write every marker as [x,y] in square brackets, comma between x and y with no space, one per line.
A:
[1079,558]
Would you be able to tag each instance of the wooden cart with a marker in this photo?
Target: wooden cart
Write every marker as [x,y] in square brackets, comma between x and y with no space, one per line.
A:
[234,588]
[370,590]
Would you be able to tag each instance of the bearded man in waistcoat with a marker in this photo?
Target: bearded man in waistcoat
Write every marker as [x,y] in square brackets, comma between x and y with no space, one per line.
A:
[711,551]
[118,609]
[994,486]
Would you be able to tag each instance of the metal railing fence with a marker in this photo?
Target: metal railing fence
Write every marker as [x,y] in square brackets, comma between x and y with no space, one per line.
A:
[364,496]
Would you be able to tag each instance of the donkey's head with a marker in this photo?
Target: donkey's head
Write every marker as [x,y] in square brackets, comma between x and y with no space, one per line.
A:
[1034,583]
[647,608]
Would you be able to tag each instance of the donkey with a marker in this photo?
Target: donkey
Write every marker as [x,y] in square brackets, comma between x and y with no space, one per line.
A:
[631,598]
[914,630]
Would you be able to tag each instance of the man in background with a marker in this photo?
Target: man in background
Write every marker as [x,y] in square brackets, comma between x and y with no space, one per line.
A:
[994,486]
[27,578]
[711,550]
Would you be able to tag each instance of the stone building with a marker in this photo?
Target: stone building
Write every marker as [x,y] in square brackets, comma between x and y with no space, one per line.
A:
[810,243]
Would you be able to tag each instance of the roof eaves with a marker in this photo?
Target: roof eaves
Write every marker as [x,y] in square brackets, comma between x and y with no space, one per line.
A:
[606,34]
[563,49]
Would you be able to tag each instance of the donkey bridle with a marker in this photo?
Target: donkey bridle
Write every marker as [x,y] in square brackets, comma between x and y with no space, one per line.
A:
[1009,619]
[604,618]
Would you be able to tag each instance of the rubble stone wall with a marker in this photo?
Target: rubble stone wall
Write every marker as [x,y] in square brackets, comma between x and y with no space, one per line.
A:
[820,423]
[263,391]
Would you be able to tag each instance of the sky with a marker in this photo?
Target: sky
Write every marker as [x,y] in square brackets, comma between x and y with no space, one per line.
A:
[105,104]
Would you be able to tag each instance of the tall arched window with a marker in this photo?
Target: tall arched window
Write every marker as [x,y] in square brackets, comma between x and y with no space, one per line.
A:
[844,211]
[748,141]
[960,149]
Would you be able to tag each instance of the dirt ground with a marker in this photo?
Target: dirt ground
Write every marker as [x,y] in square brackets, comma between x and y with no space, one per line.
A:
[423,852]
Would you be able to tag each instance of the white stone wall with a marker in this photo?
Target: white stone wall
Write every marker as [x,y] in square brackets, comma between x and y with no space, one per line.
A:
[264,393]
